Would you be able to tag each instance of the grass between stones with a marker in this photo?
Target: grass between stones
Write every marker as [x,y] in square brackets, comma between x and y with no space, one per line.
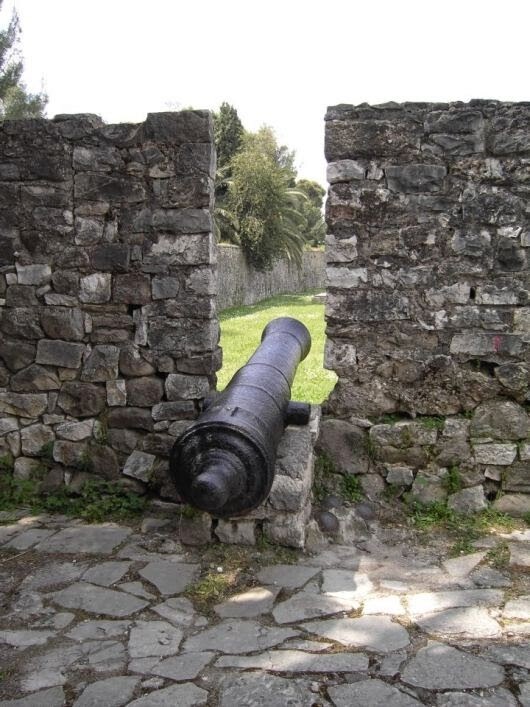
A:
[230,569]
[95,502]
[464,529]
[241,329]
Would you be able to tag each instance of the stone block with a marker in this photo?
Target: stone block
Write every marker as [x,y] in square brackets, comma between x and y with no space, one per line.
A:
[27,468]
[133,361]
[82,399]
[30,405]
[179,410]
[33,379]
[470,500]
[21,296]
[172,128]
[186,387]
[517,477]
[345,171]
[101,364]
[75,431]
[36,274]
[140,466]
[495,454]
[95,288]
[514,504]
[70,453]
[113,257]
[416,178]
[54,352]
[427,489]
[399,475]
[63,323]
[132,289]
[165,287]
[453,121]
[144,391]
[236,532]
[21,322]
[504,420]
[116,393]
[131,418]
[345,444]
[34,438]
[481,344]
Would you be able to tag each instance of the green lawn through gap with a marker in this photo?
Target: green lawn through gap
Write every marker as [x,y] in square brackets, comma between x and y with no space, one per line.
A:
[241,329]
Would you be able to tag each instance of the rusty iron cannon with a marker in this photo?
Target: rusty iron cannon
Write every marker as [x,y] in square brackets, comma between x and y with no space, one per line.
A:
[224,462]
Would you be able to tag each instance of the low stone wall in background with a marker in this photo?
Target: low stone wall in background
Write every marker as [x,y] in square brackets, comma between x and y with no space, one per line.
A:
[240,284]
[108,328]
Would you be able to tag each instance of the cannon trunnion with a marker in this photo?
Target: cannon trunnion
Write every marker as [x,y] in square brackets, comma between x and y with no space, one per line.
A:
[224,463]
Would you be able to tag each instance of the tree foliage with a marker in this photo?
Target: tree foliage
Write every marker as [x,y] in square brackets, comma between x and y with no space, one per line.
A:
[15,100]
[259,204]
[262,199]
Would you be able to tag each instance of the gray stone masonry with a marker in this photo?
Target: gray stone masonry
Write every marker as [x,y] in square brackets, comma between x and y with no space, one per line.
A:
[128,620]
[428,294]
[107,290]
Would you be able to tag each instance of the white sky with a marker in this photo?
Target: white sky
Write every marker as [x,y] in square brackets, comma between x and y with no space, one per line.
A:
[279,62]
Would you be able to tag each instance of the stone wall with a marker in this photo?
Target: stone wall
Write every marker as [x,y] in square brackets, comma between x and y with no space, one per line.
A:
[240,284]
[428,304]
[108,330]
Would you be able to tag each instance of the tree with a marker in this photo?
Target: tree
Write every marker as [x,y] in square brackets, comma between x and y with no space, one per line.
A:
[314,227]
[263,202]
[229,133]
[15,101]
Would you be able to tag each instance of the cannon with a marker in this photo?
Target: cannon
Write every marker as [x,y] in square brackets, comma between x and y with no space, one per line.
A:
[224,462]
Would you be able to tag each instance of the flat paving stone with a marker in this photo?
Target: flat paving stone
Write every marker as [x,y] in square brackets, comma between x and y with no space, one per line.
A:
[292,661]
[467,622]
[136,588]
[186,695]
[95,539]
[462,566]
[54,574]
[345,584]
[377,633]
[28,538]
[54,697]
[170,577]
[112,692]
[509,654]
[56,622]
[107,573]
[428,602]
[23,639]
[519,554]
[439,666]
[391,663]
[489,577]
[517,608]
[154,638]
[287,576]
[262,690]
[304,606]
[299,644]
[182,667]
[524,694]
[498,697]
[180,612]
[98,600]
[390,605]
[370,693]
[49,669]
[253,602]
[99,630]
[238,636]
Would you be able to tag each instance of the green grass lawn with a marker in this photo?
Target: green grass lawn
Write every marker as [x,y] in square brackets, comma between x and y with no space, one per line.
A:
[241,329]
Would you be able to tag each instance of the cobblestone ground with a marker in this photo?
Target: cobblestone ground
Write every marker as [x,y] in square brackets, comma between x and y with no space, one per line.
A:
[97,615]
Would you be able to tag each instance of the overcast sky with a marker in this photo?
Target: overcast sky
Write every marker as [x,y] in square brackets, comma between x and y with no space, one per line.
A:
[279,62]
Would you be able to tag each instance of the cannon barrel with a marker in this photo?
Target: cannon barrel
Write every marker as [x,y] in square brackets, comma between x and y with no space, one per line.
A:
[224,462]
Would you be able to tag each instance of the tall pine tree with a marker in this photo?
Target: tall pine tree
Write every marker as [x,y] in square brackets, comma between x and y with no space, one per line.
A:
[15,100]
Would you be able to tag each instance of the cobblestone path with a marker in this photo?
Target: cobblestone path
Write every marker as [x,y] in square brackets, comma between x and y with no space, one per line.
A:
[96,615]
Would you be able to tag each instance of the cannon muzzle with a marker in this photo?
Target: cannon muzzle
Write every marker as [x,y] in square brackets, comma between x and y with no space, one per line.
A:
[224,463]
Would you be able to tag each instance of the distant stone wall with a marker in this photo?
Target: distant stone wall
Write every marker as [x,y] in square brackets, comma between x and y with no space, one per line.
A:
[428,303]
[240,284]
[108,332]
